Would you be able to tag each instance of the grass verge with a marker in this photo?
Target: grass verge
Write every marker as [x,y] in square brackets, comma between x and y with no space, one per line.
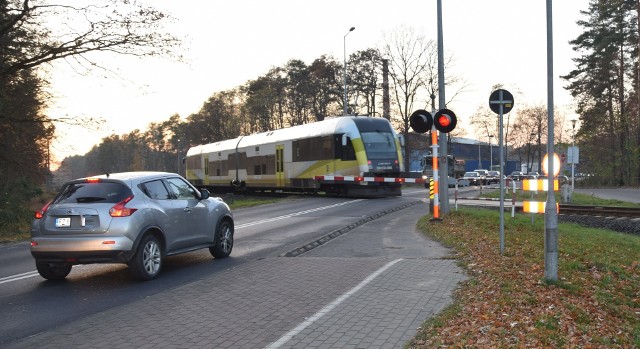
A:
[507,302]
[242,201]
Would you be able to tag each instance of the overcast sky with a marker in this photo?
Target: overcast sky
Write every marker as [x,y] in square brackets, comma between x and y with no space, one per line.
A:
[230,42]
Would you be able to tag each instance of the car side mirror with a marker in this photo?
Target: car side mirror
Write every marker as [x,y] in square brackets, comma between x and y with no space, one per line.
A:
[204,194]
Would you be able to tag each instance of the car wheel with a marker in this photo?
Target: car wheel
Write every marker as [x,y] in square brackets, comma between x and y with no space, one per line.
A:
[223,240]
[147,261]
[53,271]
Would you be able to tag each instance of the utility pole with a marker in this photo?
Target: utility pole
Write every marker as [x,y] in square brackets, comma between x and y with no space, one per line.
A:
[550,214]
[386,105]
[444,164]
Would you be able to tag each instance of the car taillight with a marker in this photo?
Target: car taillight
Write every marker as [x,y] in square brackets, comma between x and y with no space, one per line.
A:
[119,210]
[40,214]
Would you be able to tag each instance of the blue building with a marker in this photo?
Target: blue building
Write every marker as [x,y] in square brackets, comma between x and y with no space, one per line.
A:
[476,155]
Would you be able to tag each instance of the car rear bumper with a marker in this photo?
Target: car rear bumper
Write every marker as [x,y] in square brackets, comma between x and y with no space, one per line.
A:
[81,250]
[83,257]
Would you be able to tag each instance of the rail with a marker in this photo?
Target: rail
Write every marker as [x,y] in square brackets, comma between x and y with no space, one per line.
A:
[607,211]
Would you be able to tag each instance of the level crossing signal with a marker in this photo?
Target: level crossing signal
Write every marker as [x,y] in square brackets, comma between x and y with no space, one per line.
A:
[444,120]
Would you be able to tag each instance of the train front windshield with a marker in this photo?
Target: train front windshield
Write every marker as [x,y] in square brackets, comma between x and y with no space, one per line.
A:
[379,145]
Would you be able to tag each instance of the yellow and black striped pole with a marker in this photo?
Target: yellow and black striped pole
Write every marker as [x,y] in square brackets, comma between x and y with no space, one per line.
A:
[431,195]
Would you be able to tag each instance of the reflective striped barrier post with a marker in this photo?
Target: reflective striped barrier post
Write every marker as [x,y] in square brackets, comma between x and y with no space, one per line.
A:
[533,185]
[513,200]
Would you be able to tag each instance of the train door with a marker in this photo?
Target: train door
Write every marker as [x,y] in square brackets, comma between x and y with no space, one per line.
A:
[280,165]
[206,170]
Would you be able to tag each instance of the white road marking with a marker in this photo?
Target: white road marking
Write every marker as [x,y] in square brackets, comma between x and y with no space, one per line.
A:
[18,277]
[245,225]
[285,338]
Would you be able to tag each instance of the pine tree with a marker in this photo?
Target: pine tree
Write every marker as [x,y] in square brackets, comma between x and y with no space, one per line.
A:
[602,84]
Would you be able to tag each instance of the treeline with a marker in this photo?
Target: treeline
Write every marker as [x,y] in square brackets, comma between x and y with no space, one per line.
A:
[291,95]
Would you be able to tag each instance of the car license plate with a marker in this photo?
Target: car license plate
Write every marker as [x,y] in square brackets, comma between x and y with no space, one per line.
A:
[63,222]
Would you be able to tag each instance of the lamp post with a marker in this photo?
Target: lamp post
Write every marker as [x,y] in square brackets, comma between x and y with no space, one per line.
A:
[532,154]
[573,154]
[344,42]
[479,156]
[491,153]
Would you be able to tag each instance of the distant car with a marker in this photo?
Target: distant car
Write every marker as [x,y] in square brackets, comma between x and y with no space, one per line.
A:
[517,176]
[533,175]
[483,175]
[473,178]
[136,218]
[493,177]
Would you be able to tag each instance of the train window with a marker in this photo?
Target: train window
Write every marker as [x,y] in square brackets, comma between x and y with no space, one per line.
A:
[345,153]
[379,145]
[327,148]
[316,148]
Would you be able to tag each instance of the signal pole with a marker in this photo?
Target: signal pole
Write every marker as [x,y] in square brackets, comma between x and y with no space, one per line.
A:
[444,164]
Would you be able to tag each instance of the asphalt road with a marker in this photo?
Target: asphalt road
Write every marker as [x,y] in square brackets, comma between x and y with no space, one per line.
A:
[371,286]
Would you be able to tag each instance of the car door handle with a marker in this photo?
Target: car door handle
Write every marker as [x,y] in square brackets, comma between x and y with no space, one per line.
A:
[187,209]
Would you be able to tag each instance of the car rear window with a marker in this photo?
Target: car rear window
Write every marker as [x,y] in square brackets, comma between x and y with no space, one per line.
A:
[102,192]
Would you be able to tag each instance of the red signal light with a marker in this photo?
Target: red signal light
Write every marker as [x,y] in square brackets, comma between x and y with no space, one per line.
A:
[445,120]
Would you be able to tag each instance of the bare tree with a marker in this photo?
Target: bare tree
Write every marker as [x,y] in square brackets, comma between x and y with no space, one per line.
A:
[35,32]
[409,55]
[485,123]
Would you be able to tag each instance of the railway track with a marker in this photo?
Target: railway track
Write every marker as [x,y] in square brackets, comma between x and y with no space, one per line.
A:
[606,211]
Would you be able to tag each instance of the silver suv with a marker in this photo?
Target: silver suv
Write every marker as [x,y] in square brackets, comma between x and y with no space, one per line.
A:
[137,218]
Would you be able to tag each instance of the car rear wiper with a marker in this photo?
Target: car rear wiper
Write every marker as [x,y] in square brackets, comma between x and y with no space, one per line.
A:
[85,199]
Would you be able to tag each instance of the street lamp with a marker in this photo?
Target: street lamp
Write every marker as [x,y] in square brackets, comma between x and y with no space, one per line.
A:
[532,154]
[573,154]
[491,153]
[479,156]
[344,42]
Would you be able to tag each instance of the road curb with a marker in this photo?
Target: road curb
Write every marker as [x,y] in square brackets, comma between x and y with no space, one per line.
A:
[338,232]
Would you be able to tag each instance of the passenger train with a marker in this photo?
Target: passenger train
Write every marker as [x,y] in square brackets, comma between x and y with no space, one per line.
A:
[291,159]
